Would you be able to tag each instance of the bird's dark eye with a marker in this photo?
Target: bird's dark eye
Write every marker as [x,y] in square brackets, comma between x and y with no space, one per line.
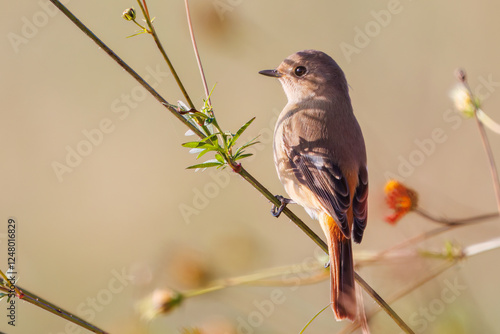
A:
[300,71]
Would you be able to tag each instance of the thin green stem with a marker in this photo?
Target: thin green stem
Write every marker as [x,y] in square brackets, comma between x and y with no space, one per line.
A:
[48,306]
[143,28]
[6,279]
[164,54]
[29,297]
[312,319]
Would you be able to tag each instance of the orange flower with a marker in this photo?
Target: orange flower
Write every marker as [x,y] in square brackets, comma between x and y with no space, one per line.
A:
[399,198]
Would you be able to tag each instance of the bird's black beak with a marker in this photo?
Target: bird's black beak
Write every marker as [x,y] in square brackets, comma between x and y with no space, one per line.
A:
[271,73]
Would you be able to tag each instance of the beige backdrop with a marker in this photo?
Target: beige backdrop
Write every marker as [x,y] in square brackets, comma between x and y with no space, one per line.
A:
[116,210]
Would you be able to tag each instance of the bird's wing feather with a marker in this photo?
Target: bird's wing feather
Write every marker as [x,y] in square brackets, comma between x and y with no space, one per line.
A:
[360,205]
[326,181]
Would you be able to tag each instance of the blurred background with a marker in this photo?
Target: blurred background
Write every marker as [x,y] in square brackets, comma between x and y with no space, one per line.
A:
[94,172]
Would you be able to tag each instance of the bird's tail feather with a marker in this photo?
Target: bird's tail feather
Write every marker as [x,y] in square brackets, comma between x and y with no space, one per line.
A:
[343,293]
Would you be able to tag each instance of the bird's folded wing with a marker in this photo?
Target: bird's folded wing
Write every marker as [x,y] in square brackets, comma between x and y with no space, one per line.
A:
[360,205]
[326,181]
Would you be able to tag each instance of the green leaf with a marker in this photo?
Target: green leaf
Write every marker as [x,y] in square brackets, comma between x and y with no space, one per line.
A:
[199,144]
[191,144]
[219,158]
[209,138]
[205,102]
[239,132]
[209,163]
[225,141]
[138,33]
[199,114]
[202,153]
[204,141]
[248,144]
[242,156]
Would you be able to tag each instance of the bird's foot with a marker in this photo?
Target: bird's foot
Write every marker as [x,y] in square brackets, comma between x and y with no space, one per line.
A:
[327,264]
[276,211]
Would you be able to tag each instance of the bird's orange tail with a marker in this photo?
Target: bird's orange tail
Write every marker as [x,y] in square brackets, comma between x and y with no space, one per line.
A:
[343,294]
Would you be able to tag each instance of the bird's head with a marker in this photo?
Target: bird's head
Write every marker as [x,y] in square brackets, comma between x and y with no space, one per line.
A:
[309,74]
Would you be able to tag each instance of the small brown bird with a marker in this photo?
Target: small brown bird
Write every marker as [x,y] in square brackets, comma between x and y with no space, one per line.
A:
[320,156]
